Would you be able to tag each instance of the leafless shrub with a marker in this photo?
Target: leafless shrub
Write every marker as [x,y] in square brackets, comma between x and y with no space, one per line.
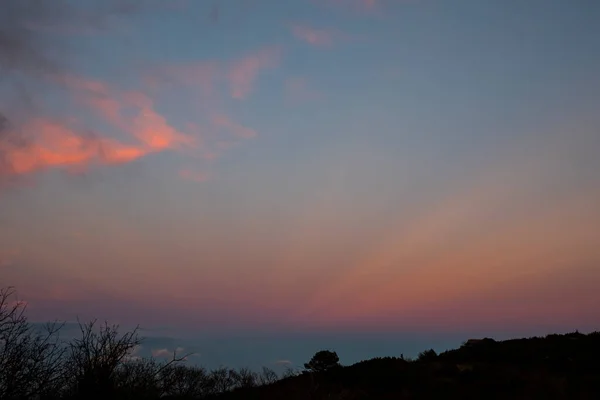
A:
[223,379]
[148,379]
[246,378]
[290,372]
[93,359]
[138,378]
[30,359]
[188,382]
[267,376]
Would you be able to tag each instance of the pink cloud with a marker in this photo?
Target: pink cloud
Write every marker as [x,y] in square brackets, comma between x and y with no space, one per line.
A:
[53,142]
[161,353]
[243,72]
[155,133]
[137,128]
[149,127]
[166,353]
[238,75]
[316,37]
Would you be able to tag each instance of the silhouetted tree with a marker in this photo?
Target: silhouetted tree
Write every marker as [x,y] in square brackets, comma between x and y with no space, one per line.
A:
[140,379]
[427,355]
[146,378]
[246,378]
[94,358]
[187,382]
[322,361]
[224,379]
[267,376]
[30,359]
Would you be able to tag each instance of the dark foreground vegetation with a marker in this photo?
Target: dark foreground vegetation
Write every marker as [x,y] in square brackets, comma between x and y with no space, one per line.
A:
[99,364]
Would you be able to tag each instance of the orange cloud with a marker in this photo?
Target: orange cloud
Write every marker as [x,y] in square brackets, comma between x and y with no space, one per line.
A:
[146,124]
[238,76]
[153,130]
[243,72]
[316,37]
[58,143]
[132,127]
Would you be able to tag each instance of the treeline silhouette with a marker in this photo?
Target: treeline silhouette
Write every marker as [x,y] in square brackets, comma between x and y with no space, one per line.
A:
[100,364]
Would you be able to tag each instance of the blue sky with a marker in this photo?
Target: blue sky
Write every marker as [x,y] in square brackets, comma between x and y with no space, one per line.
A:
[310,166]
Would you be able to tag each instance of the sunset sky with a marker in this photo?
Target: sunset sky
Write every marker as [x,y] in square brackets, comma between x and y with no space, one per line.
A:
[305,167]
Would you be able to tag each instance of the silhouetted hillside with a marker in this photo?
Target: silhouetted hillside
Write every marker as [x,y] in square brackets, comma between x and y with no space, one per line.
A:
[553,367]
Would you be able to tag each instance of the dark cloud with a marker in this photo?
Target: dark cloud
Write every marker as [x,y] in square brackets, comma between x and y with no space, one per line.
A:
[35,44]
[32,32]
[24,47]
[18,47]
